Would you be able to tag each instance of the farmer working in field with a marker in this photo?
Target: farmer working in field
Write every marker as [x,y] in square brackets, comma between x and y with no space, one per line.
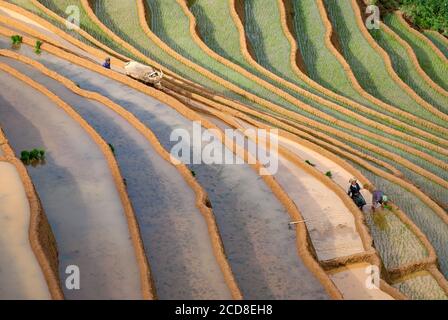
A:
[379,199]
[355,194]
[106,63]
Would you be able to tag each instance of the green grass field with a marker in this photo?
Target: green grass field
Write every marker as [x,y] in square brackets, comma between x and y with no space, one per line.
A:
[258,24]
[367,64]
[438,41]
[434,66]
[405,68]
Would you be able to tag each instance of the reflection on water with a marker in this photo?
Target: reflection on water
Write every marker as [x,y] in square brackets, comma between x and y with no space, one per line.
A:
[34,163]
[77,192]
[173,229]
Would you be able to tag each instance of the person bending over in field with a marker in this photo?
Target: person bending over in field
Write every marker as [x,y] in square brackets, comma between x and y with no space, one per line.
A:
[355,194]
[379,199]
[106,63]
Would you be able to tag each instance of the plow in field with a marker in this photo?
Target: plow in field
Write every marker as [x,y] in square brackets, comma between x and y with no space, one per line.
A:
[144,73]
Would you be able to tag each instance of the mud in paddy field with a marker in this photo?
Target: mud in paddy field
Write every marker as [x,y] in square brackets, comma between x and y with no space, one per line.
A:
[173,230]
[262,254]
[89,225]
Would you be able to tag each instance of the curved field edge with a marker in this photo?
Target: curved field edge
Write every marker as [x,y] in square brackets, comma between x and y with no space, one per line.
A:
[192,116]
[243,36]
[355,17]
[166,48]
[279,124]
[155,39]
[395,272]
[145,274]
[297,66]
[369,254]
[116,58]
[410,188]
[252,63]
[233,66]
[439,40]
[189,114]
[60,7]
[201,197]
[431,59]
[360,222]
[41,237]
[408,68]
[332,44]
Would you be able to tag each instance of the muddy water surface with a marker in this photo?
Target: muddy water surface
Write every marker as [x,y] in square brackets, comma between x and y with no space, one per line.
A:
[253,224]
[77,191]
[173,229]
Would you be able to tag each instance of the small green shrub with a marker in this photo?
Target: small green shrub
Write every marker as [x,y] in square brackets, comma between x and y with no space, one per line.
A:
[193,173]
[16,40]
[34,156]
[426,14]
[37,46]
[25,156]
[329,174]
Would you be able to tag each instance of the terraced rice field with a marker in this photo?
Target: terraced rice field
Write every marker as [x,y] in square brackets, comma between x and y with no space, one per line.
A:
[363,59]
[413,287]
[430,61]
[440,41]
[392,237]
[171,193]
[323,64]
[82,178]
[267,49]
[135,29]
[407,70]
[139,166]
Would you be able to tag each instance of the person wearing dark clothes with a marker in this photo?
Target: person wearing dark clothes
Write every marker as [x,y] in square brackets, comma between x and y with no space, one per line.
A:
[355,194]
[106,63]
